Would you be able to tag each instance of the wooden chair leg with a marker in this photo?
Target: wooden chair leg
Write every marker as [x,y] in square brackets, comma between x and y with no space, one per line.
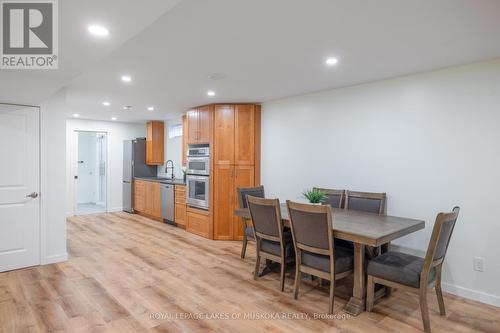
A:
[425,310]
[439,292]
[244,247]
[257,259]
[282,280]
[370,292]
[332,295]
[297,276]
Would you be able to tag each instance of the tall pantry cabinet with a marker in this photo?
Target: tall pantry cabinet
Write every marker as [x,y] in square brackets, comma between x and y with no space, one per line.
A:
[236,162]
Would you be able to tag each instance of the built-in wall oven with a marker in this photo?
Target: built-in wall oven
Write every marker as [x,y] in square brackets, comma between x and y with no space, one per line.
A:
[198,176]
[198,191]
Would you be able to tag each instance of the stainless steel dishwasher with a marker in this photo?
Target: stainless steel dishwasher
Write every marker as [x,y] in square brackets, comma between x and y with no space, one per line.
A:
[167,202]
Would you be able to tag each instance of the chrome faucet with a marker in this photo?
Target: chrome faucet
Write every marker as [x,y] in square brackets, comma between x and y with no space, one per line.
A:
[171,168]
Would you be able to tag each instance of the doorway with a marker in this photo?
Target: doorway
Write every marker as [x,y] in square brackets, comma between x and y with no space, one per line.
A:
[91,173]
[19,186]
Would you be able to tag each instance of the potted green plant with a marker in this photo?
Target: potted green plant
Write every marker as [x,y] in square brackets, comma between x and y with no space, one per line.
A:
[315,196]
[184,170]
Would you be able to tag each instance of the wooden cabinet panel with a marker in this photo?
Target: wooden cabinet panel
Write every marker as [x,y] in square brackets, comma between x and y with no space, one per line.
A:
[224,134]
[198,222]
[155,143]
[224,199]
[244,134]
[204,124]
[180,214]
[139,195]
[244,177]
[147,198]
[180,205]
[184,139]
[192,126]
[153,199]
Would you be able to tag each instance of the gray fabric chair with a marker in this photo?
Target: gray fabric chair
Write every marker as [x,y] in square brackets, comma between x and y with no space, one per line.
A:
[399,270]
[334,198]
[315,252]
[273,243]
[248,233]
[367,202]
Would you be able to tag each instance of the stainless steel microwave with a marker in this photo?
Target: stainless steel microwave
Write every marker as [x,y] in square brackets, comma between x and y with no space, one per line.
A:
[198,166]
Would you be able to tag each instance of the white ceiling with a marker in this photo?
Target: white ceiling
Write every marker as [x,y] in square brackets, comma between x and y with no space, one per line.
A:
[266,50]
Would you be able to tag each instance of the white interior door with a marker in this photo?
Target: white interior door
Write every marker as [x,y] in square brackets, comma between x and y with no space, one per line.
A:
[19,187]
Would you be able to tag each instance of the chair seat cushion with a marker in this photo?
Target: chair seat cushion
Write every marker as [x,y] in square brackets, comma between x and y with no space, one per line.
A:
[344,260]
[399,267]
[274,247]
[249,232]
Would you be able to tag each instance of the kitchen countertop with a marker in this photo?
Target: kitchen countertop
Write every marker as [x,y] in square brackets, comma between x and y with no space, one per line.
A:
[163,180]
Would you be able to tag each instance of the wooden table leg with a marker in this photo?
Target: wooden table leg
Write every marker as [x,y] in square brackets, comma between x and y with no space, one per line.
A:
[357,302]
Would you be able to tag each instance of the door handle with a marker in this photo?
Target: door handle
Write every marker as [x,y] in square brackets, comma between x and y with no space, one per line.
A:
[33,195]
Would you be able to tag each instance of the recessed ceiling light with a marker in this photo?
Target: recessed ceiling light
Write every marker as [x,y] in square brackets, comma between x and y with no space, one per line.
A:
[76,115]
[98,30]
[211,93]
[126,78]
[114,118]
[150,108]
[332,61]
[127,107]
[106,103]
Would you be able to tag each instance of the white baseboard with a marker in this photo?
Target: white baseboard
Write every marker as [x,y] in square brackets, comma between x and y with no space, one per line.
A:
[471,294]
[55,259]
[454,289]
[116,209]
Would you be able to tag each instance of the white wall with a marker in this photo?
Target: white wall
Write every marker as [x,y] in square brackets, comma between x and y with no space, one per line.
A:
[116,133]
[173,150]
[53,180]
[431,141]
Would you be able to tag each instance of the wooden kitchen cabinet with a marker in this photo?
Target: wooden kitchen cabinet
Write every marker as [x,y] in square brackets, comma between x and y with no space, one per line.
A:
[244,176]
[224,134]
[139,195]
[244,135]
[236,163]
[184,140]
[155,143]
[147,198]
[199,222]
[199,125]
[153,199]
[224,197]
[180,205]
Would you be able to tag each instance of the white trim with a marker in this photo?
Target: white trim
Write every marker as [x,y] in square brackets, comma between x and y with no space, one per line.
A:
[55,258]
[115,210]
[471,294]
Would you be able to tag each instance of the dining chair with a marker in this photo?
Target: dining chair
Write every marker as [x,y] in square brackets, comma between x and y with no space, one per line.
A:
[273,242]
[315,252]
[334,198]
[400,270]
[368,202]
[248,232]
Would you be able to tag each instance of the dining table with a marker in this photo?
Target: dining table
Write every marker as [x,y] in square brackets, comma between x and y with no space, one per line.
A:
[362,229]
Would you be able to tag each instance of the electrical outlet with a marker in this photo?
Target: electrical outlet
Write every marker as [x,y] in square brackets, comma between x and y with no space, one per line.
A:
[478,264]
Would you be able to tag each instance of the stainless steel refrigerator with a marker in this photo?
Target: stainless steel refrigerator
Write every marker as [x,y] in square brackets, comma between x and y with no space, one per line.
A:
[134,165]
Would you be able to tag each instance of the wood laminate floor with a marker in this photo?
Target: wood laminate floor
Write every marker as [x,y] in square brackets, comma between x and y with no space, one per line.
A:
[127,273]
